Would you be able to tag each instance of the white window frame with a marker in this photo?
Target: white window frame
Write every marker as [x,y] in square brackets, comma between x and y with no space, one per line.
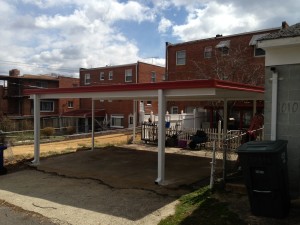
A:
[70,104]
[128,75]
[180,57]
[110,75]
[102,77]
[153,76]
[45,108]
[174,110]
[87,78]
[149,103]
[112,123]
[208,52]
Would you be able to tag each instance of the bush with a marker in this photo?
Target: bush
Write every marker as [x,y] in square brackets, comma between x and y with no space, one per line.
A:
[71,130]
[48,131]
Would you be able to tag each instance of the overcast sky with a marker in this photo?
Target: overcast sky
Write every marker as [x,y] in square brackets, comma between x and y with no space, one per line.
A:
[60,36]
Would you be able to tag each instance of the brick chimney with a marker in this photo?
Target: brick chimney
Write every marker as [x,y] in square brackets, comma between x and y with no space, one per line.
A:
[284,25]
[14,72]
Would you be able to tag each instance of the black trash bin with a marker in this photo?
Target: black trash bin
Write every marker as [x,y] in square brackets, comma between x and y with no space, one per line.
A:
[264,166]
[3,170]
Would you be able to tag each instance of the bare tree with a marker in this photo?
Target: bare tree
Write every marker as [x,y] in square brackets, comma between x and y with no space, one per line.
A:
[232,64]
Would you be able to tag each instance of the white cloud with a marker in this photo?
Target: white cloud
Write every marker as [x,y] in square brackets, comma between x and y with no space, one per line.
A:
[164,25]
[214,19]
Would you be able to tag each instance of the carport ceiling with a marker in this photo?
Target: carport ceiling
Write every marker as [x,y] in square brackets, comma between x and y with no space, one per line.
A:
[173,90]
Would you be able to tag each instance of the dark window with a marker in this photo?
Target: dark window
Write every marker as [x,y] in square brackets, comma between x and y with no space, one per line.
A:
[259,52]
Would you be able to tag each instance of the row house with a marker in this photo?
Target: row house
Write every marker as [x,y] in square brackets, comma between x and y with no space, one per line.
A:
[118,114]
[19,108]
[233,58]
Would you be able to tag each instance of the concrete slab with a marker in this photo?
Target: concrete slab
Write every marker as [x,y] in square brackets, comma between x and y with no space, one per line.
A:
[122,167]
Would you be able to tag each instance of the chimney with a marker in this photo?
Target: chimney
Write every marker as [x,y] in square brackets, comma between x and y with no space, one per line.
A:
[284,25]
[14,73]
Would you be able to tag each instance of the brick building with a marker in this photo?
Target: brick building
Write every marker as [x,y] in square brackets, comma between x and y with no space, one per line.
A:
[119,114]
[234,58]
[18,107]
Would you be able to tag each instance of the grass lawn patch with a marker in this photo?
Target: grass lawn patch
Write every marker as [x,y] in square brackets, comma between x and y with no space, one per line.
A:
[200,207]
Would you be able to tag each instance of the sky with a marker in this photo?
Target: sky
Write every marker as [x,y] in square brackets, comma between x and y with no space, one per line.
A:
[61,36]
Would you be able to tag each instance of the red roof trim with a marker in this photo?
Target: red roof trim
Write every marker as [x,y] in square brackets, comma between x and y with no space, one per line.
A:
[182,84]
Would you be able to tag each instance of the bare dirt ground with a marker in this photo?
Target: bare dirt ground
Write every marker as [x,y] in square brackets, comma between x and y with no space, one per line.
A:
[17,153]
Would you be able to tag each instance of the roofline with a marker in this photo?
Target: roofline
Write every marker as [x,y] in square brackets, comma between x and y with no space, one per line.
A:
[117,66]
[38,77]
[105,67]
[183,84]
[227,36]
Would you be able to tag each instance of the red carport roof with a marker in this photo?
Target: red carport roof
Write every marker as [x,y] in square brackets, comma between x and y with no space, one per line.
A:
[177,90]
[84,113]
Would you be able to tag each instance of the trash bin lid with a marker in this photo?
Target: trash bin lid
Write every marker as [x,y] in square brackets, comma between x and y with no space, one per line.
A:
[262,146]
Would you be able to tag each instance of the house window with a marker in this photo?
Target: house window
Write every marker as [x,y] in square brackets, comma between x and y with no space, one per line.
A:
[149,103]
[174,110]
[223,47]
[117,121]
[128,75]
[42,84]
[101,75]
[208,52]
[87,78]
[130,119]
[153,77]
[259,51]
[47,106]
[70,104]
[180,57]
[110,75]
[253,42]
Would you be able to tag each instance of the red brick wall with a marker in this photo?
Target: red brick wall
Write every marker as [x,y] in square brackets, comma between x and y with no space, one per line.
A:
[118,75]
[145,70]
[67,82]
[197,65]
[121,107]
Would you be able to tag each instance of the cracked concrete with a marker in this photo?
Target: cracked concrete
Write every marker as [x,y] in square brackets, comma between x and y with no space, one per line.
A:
[110,185]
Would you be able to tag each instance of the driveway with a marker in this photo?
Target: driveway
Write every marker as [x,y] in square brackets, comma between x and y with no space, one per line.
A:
[111,185]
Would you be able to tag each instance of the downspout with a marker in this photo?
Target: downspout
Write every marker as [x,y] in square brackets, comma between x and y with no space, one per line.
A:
[167,64]
[274,104]
[93,124]
[37,127]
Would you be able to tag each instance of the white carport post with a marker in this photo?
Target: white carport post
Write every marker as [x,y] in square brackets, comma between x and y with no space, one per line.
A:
[225,116]
[134,119]
[37,126]
[161,137]
[93,124]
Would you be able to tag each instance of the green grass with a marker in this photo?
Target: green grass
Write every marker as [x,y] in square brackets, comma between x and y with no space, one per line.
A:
[200,208]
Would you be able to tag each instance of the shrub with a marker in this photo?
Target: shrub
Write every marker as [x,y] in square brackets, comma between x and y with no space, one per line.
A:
[47,131]
[71,130]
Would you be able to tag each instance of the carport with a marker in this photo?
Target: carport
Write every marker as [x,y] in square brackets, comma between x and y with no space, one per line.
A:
[189,90]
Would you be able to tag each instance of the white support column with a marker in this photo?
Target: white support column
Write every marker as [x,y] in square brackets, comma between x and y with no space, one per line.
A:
[225,116]
[274,106]
[93,124]
[37,126]
[161,137]
[134,119]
